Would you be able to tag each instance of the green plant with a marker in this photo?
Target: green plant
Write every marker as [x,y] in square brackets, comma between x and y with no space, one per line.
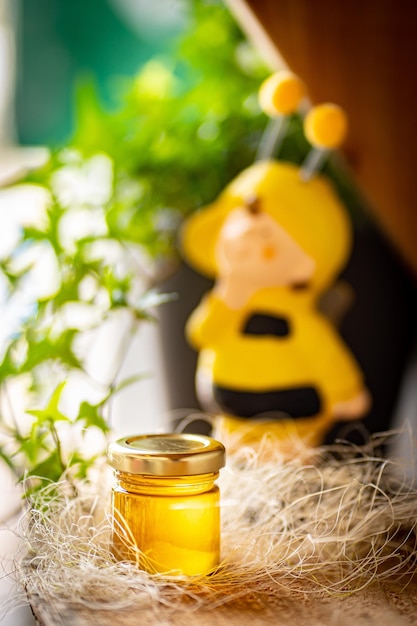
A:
[113,199]
[95,278]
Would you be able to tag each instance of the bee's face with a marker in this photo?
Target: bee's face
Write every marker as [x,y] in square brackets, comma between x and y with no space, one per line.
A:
[256,247]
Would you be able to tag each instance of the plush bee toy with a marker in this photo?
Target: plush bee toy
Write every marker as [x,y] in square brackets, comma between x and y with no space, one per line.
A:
[274,241]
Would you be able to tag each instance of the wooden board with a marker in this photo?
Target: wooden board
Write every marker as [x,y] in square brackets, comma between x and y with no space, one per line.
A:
[388,605]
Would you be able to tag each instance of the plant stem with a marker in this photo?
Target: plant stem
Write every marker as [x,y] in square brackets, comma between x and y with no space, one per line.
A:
[57,443]
[4,389]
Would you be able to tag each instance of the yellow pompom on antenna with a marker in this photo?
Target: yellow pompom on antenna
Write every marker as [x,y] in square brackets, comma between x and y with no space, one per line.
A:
[279,96]
[281,93]
[325,126]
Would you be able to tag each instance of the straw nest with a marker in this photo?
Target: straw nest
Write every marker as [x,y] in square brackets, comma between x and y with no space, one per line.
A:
[333,524]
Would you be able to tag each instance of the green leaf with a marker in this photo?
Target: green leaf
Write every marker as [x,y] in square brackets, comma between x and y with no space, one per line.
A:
[49,468]
[80,465]
[91,415]
[34,445]
[7,459]
[126,382]
[8,366]
[93,127]
[154,298]
[43,348]
[51,412]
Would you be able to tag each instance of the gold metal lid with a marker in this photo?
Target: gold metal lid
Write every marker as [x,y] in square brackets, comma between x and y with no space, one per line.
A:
[177,454]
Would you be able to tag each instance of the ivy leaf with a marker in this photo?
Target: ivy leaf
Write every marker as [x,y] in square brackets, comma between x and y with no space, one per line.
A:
[41,349]
[50,468]
[31,233]
[51,412]
[117,288]
[80,465]
[8,366]
[33,446]
[13,277]
[91,415]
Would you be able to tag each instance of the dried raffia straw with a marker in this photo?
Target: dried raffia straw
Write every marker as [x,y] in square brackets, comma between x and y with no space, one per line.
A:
[334,524]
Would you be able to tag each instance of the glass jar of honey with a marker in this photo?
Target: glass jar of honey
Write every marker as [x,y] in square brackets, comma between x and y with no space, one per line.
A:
[165,503]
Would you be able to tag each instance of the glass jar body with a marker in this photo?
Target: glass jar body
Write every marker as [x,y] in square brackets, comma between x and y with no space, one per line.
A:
[167,524]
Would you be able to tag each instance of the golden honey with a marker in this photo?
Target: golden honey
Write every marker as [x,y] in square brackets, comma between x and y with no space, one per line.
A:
[166,513]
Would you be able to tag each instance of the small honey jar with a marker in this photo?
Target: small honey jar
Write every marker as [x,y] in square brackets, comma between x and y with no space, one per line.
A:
[166,505]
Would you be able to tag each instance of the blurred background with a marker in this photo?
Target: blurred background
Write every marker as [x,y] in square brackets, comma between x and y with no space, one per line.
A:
[60,42]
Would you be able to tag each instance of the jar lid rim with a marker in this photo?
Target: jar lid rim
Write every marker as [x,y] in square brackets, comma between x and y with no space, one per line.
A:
[168,454]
